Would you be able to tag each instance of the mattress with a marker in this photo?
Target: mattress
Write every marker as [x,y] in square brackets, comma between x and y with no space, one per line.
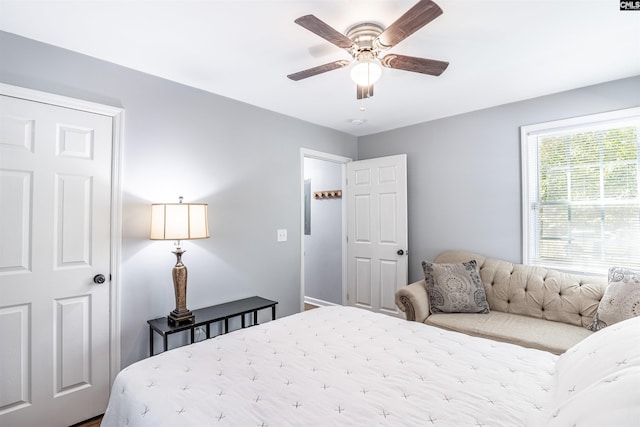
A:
[339,366]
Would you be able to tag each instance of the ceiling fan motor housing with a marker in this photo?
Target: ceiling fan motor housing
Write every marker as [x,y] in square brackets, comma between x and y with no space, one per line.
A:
[363,36]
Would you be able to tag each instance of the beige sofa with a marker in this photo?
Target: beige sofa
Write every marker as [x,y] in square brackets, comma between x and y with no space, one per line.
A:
[530,306]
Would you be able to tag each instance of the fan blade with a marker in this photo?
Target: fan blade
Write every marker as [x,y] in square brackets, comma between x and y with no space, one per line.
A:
[364,91]
[318,70]
[417,65]
[318,27]
[415,18]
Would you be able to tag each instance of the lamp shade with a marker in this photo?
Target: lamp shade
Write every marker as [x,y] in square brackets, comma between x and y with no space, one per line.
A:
[179,221]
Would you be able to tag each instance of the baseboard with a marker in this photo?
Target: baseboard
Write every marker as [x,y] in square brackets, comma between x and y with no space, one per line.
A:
[318,302]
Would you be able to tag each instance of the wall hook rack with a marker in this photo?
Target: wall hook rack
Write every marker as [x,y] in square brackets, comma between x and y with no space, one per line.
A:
[329,194]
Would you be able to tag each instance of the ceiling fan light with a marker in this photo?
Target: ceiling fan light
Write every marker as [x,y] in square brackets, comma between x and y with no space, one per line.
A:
[366,73]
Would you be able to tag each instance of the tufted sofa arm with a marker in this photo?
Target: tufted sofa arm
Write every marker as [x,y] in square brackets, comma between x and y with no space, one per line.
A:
[413,300]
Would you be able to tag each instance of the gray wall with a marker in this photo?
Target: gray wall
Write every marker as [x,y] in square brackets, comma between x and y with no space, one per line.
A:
[464,187]
[241,160]
[323,247]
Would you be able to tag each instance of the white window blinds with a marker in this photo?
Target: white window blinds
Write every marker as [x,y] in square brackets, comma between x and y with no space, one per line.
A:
[581,192]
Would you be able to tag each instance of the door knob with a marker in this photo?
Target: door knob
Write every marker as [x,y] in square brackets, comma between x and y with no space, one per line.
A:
[99,279]
[400,252]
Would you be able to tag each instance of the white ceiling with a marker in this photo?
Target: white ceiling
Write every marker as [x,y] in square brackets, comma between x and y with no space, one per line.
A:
[499,51]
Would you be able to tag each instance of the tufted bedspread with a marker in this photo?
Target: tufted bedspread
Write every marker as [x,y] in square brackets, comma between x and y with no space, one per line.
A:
[337,366]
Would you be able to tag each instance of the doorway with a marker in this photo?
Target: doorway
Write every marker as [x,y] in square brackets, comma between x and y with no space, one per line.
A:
[323,228]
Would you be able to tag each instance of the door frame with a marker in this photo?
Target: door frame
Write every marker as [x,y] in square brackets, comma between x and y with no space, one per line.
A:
[117,115]
[319,155]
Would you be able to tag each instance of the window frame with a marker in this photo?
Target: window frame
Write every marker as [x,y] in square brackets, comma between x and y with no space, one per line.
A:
[530,172]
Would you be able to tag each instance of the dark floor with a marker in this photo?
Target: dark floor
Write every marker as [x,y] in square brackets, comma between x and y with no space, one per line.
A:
[93,422]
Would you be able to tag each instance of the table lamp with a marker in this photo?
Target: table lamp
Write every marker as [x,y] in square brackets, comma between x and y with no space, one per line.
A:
[179,221]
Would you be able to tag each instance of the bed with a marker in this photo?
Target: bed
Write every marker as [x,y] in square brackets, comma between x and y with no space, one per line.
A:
[344,366]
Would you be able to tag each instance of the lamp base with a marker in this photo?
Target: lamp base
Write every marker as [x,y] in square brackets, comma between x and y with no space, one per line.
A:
[175,318]
[181,315]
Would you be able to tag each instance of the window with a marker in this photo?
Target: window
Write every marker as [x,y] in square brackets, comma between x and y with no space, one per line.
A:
[581,192]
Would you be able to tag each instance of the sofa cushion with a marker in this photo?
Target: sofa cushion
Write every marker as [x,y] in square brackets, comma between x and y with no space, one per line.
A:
[621,299]
[555,337]
[455,288]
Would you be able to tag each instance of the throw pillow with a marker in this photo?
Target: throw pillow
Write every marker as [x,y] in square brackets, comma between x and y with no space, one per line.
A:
[621,299]
[455,288]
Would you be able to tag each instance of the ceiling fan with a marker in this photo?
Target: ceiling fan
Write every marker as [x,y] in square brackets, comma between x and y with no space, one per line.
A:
[366,41]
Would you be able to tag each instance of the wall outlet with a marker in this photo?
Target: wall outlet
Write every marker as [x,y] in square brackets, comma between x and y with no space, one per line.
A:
[282,235]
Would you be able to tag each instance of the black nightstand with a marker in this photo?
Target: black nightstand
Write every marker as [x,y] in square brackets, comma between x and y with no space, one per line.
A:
[208,315]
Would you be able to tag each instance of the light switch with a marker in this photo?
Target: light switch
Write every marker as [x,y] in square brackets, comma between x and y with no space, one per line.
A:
[282,235]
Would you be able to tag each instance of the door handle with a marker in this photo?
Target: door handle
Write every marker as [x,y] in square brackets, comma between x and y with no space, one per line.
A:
[99,279]
[401,252]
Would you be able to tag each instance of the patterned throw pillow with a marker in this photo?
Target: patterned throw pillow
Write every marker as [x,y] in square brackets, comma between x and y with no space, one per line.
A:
[455,288]
[621,299]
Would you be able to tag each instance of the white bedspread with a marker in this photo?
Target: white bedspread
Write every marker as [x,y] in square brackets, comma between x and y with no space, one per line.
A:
[337,366]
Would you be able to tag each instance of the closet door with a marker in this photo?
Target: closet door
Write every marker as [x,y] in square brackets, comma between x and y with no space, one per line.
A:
[55,191]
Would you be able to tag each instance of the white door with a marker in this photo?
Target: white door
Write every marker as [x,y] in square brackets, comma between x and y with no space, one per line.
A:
[55,195]
[377,232]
